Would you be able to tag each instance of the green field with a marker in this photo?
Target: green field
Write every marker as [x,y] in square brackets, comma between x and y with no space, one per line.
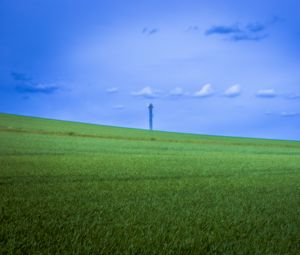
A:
[75,188]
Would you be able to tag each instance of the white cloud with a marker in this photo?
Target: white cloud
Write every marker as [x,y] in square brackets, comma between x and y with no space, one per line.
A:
[233,91]
[178,92]
[266,93]
[289,114]
[205,91]
[147,92]
[268,113]
[112,90]
[118,107]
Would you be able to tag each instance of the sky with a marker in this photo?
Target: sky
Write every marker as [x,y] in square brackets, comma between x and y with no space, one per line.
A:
[215,67]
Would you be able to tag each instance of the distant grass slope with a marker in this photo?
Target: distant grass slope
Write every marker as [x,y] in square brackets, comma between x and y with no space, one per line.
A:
[88,189]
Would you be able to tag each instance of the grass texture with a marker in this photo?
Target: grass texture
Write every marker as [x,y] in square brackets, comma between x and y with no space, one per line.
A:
[74,188]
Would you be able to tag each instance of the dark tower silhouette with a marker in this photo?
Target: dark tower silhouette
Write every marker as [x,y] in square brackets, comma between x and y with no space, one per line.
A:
[150,116]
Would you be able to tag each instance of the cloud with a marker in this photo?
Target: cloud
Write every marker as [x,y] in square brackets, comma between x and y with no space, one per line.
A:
[267,93]
[205,91]
[255,27]
[233,91]
[20,77]
[237,32]
[248,37]
[268,113]
[293,96]
[146,92]
[193,28]
[118,107]
[177,92]
[289,114]
[233,29]
[37,88]
[276,19]
[150,31]
[112,90]
[27,85]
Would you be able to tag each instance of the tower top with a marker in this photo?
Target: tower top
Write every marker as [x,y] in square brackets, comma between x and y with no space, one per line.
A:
[150,106]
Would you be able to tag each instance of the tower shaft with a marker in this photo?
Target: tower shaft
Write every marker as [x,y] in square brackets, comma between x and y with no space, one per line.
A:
[150,107]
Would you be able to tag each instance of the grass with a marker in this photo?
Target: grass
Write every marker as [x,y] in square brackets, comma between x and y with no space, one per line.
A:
[75,188]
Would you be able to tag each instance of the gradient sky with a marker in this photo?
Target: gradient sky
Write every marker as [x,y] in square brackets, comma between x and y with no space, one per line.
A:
[211,67]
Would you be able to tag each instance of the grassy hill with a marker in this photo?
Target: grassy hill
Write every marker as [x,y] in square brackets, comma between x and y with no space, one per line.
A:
[88,189]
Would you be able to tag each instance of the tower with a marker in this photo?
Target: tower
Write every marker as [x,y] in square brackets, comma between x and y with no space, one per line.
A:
[150,107]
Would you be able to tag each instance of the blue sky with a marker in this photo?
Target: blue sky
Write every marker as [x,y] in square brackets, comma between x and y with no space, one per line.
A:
[210,67]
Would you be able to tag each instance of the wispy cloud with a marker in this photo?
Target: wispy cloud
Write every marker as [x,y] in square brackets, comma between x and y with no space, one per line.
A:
[233,29]
[205,91]
[276,19]
[112,90]
[37,88]
[193,28]
[268,113]
[233,91]
[178,92]
[27,85]
[266,93]
[248,37]
[292,96]
[289,114]
[255,27]
[118,107]
[237,32]
[20,77]
[146,92]
[150,31]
